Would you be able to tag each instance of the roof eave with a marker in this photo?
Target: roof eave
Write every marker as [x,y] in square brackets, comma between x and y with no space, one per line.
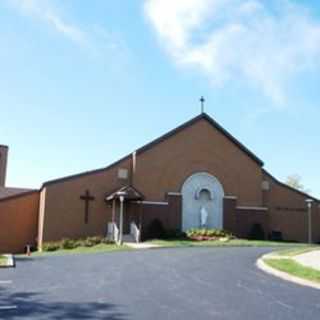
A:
[289,187]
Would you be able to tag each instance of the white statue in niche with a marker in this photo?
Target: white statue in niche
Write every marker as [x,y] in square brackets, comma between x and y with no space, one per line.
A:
[203,216]
[204,197]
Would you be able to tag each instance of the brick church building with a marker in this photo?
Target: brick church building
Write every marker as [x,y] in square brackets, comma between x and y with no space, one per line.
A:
[197,175]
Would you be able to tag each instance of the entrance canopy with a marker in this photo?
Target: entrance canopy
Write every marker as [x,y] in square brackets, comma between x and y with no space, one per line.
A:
[129,193]
[124,194]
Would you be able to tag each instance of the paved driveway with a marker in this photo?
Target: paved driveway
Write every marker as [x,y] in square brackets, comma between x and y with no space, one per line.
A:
[193,283]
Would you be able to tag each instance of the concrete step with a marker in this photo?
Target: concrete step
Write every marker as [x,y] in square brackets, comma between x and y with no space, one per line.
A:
[128,238]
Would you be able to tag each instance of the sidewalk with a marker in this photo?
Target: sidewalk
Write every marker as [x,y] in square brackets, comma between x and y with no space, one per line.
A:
[309,259]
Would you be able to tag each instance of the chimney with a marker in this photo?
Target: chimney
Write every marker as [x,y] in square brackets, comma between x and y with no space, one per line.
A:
[3,164]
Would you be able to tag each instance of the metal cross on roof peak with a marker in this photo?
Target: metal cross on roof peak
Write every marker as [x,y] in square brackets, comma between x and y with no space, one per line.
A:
[202,100]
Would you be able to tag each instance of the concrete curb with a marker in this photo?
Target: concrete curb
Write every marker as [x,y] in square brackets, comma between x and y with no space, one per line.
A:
[10,261]
[283,275]
[141,245]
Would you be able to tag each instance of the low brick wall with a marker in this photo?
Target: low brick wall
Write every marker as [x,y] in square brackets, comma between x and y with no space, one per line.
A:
[247,218]
[240,221]
[168,212]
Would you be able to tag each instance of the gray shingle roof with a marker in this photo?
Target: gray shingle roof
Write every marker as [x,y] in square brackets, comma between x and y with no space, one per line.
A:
[10,192]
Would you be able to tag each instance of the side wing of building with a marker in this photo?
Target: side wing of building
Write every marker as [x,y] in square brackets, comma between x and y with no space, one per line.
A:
[18,222]
[62,211]
[288,212]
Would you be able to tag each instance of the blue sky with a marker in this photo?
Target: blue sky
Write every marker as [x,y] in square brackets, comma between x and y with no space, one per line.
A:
[84,83]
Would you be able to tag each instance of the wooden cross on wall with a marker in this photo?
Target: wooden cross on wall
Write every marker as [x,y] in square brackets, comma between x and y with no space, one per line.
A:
[87,198]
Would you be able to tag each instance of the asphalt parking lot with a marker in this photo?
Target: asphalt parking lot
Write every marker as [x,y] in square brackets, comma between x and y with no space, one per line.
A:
[188,283]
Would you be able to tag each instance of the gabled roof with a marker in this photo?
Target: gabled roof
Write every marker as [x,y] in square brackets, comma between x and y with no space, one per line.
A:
[129,193]
[202,116]
[215,124]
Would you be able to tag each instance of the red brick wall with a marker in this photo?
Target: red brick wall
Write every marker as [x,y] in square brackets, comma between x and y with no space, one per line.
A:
[246,219]
[164,167]
[174,212]
[18,222]
[198,148]
[240,221]
[62,210]
[169,213]
[229,215]
[288,212]
[160,169]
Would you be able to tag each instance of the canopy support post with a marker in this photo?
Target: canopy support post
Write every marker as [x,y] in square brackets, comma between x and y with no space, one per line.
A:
[121,220]
[113,211]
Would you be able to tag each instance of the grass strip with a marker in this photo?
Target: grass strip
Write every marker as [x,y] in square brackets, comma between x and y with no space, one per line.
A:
[3,261]
[294,268]
[229,243]
[100,248]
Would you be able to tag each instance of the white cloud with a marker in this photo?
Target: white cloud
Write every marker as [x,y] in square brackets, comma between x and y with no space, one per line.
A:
[99,42]
[263,43]
[44,11]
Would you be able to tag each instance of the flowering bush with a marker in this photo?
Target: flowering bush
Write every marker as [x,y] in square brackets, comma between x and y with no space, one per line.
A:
[208,234]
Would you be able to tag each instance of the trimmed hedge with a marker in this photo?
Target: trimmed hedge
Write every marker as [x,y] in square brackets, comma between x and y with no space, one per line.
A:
[155,230]
[68,244]
[257,232]
[51,246]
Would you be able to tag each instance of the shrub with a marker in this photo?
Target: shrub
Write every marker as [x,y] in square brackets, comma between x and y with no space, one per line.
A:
[95,240]
[276,235]
[107,241]
[175,234]
[68,244]
[80,243]
[92,241]
[51,246]
[156,230]
[256,232]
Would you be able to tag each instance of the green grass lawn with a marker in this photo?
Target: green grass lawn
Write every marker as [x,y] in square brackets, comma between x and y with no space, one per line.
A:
[174,244]
[230,243]
[102,247]
[292,267]
[3,261]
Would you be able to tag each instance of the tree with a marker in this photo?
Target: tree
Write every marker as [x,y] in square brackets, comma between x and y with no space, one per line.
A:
[294,181]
